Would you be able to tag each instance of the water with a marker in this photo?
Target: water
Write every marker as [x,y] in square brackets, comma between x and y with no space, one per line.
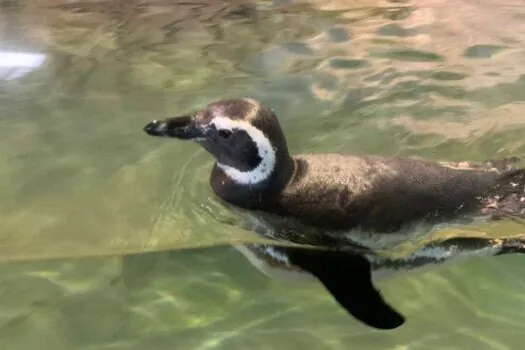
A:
[81,182]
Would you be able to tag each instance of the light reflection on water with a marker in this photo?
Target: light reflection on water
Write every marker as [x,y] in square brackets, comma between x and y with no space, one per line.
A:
[430,80]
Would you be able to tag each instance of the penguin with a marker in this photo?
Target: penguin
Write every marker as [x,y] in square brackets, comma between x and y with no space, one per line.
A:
[345,207]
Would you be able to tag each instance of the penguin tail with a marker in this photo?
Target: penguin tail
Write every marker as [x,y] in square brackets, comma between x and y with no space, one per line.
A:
[510,245]
[506,198]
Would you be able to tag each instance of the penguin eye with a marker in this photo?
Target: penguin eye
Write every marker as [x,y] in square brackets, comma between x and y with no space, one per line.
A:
[224,133]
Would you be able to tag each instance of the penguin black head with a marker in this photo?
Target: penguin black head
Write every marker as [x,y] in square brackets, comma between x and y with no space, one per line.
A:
[245,138]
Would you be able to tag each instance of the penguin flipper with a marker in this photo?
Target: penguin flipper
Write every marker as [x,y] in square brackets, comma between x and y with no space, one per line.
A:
[348,278]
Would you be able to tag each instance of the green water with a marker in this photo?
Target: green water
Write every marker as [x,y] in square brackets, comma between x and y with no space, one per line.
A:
[80,181]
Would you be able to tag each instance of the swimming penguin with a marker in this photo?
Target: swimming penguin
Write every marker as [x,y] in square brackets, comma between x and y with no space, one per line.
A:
[348,205]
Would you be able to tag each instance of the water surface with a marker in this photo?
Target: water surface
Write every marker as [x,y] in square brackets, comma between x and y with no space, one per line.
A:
[81,182]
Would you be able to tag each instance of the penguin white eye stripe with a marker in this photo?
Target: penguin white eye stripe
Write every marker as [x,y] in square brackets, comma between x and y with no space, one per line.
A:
[264,148]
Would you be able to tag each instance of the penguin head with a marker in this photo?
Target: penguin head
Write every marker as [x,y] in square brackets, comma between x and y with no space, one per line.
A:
[244,137]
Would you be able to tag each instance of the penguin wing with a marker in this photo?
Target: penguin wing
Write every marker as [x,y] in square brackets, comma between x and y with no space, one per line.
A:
[348,278]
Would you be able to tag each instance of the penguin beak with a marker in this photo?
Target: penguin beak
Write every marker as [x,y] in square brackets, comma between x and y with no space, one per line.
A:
[183,128]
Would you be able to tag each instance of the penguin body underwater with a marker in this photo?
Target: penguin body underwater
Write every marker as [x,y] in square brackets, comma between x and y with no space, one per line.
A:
[345,204]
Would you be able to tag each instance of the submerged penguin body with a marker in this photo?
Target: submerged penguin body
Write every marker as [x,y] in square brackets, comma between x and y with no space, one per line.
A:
[350,278]
[332,201]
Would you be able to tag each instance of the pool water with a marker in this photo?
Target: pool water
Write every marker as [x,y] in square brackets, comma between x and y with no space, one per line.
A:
[113,240]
